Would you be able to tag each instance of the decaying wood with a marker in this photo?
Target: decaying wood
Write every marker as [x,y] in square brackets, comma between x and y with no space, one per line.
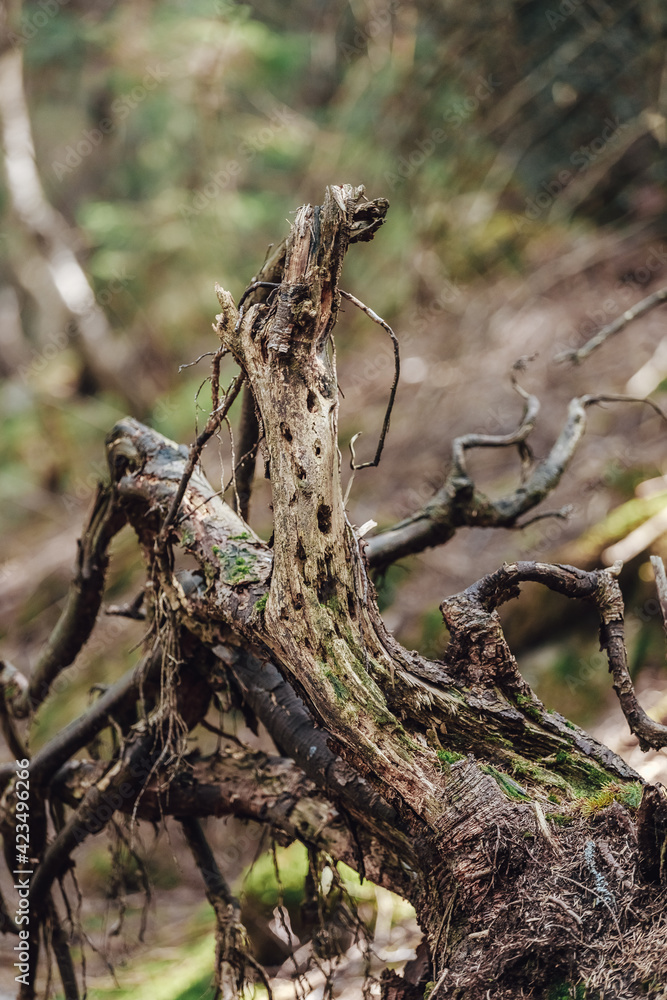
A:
[532,854]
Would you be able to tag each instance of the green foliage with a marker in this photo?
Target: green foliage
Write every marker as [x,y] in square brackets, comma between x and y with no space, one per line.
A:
[183,976]
[260,881]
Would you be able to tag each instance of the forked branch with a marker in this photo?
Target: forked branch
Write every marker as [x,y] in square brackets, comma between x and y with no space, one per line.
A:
[459,503]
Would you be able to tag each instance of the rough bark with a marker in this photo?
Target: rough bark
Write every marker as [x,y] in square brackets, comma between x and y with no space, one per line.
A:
[533,855]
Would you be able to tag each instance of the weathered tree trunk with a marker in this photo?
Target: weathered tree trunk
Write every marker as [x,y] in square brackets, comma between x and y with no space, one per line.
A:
[534,857]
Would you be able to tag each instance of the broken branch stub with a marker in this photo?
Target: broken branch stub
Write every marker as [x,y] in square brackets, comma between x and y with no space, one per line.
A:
[282,345]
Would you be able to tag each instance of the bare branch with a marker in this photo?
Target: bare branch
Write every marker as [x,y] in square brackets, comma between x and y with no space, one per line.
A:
[231,952]
[60,946]
[560,515]
[277,706]
[83,729]
[394,385]
[83,601]
[519,436]
[459,503]
[650,302]
[91,817]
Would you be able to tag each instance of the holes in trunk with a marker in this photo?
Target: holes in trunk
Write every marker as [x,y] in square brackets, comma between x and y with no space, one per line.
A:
[285,431]
[324,518]
[311,402]
[326,589]
[300,471]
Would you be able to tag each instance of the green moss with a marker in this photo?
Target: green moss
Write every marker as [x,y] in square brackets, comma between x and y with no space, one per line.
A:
[629,795]
[588,775]
[243,537]
[537,774]
[448,756]
[506,784]
[260,605]
[187,538]
[560,819]
[340,690]
[560,991]
[237,565]
[568,991]
[528,707]
[594,803]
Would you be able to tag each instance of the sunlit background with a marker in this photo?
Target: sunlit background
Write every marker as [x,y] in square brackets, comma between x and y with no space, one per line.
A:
[152,149]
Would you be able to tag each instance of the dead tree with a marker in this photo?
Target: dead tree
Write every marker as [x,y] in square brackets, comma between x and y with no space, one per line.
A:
[534,856]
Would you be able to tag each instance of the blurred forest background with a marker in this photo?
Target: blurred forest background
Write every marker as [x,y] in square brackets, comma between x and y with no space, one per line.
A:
[522,148]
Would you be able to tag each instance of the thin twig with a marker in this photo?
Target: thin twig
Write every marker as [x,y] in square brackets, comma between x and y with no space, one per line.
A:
[594,400]
[212,424]
[392,394]
[253,288]
[562,515]
[230,933]
[191,364]
[458,502]
[468,441]
[143,874]
[237,502]
[650,302]
[587,888]
[83,601]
